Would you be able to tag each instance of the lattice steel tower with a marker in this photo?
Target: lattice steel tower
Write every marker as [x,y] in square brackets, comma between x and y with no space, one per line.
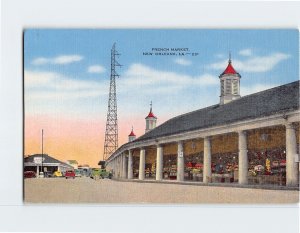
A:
[111,133]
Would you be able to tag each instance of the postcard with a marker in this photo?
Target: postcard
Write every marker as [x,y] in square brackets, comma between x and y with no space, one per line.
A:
[161,116]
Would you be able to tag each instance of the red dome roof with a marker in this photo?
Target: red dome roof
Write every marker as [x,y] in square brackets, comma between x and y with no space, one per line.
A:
[151,114]
[229,69]
[131,134]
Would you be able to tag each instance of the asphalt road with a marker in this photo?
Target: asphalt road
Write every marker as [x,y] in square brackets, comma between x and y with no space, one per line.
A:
[86,190]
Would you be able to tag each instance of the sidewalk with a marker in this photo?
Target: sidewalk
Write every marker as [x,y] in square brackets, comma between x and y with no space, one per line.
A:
[197,183]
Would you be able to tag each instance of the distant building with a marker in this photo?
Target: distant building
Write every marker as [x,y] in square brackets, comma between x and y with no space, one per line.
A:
[45,163]
[73,163]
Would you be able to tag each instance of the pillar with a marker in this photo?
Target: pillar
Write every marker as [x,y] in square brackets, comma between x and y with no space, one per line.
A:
[124,168]
[130,165]
[159,162]
[118,166]
[243,158]
[207,160]
[121,166]
[292,169]
[37,171]
[114,167]
[142,164]
[180,162]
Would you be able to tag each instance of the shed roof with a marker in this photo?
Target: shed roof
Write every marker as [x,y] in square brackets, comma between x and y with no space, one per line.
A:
[47,159]
[276,100]
[265,103]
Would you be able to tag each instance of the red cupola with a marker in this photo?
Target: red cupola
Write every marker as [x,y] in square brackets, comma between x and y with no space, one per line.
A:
[131,136]
[150,120]
[151,114]
[229,69]
[230,84]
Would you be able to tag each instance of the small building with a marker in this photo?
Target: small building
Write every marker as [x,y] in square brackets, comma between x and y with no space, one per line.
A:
[45,163]
[73,163]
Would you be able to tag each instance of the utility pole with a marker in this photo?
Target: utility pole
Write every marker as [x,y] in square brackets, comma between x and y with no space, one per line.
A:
[42,150]
[111,133]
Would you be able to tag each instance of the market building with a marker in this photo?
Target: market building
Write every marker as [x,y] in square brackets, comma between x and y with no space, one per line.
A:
[44,163]
[252,139]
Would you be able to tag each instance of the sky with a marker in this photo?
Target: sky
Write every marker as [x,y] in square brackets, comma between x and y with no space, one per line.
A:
[67,72]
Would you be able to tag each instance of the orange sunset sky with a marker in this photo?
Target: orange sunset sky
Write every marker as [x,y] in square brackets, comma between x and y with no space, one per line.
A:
[82,140]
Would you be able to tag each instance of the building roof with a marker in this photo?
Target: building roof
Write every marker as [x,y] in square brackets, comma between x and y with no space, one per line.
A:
[131,134]
[229,69]
[150,115]
[261,104]
[47,159]
[72,161]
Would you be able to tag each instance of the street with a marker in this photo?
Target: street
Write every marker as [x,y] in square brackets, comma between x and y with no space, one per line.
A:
[86,190]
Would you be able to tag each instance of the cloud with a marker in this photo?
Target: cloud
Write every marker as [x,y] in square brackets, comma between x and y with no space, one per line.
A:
[253,64]
[96,69]
[59,60]
[247,90]
[245,52]
[157,81]
[183,62]
[54,86]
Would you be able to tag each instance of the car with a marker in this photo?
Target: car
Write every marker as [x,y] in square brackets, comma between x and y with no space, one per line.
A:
[100,174]
[77,173]
[95,173]
[29,174]
[57,174]
[70,174]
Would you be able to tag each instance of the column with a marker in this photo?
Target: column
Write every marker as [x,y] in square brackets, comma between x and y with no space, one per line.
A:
[121,166]
[124,175]
[130,162]
[207,160]
[37,171]
[243,158]
[114,167]
[142,164]
[180,162]
[292,169]
[118,166]
[159,162]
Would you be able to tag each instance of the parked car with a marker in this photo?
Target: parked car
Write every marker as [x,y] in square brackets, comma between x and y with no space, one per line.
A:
[77,173]
[70,174]
[100,174]
[29,174]
[57,174]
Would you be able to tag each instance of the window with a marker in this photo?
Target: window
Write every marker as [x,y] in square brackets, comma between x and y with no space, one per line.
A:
[228,86]
[235,87]
[222,87]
